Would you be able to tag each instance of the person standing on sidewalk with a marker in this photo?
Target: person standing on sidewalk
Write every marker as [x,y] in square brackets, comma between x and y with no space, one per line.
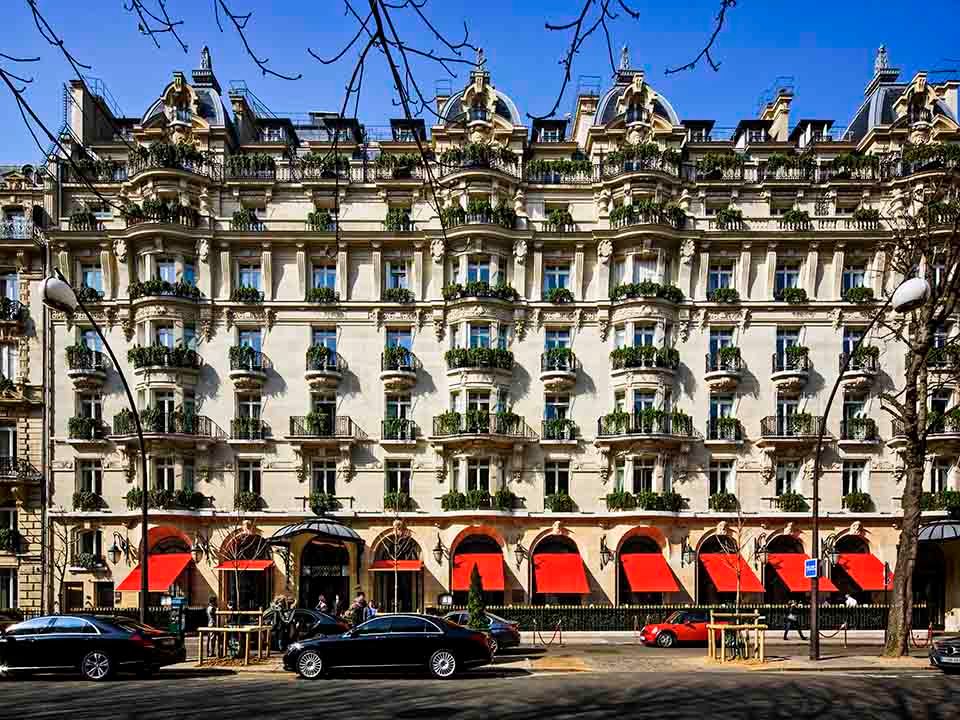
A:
[793,621]
[211,622]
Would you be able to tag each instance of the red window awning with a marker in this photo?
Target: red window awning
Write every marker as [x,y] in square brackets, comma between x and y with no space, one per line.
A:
[722,569]
[865,570]
[789,566]
[162,572]
[401,565]
[560,574]
[490,566]
[648,572]
[245,565]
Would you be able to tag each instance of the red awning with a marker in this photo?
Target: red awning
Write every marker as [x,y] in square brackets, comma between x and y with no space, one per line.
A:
[789,566]
[243,565]
[490,566]
[560,574]
[402,565]
[648,572]
[722,569]
[162,572]
[865,570]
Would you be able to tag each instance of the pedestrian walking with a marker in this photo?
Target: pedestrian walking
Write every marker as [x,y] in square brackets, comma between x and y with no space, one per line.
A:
[211,622]
[371,611]
[793,621]
[322,604]
[358,610]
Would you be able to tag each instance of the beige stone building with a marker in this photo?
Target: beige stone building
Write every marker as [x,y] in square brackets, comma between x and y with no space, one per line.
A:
[630,324]
[22,198]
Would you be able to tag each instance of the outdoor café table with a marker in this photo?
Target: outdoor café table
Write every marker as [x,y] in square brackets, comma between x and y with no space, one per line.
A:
[262,633]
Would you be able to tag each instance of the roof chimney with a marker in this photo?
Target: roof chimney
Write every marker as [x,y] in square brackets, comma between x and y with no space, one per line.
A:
[778,112]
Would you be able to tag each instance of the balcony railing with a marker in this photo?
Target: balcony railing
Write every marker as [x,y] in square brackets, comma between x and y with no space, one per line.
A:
[800,425]
[559,429]
[724,429]
[15,468]
[860,362]
[143,356]
[645,356]
[943,424]
[323,426]
[552,361]
[479,357]
[248,428]
[13,310]
[155,421]
[715,362]
[398,359]
[86,428]
[397,428]
[245,358]
[645,423]
[331,362]
[477,422]
[83,358]
[858,429]
[782,362]
[19,228]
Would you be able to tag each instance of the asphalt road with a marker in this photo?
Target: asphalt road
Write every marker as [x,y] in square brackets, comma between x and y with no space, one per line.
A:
[491,692]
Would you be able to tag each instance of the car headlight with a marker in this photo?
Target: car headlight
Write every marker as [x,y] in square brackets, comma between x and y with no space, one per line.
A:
[295,646]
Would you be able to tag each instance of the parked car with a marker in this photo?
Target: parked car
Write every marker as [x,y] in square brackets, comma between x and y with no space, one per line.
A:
[680,627]
[503,633]
[8,619]
[95,647]
[305,623]
[405,642]
[170,648]
[945,654]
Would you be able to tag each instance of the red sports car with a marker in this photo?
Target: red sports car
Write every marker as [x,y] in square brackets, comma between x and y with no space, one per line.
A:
[683,626]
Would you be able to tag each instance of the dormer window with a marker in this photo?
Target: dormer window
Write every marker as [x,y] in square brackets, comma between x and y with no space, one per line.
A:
[756,136]
[478,112]
[636,113]
[550,135]
[698,135]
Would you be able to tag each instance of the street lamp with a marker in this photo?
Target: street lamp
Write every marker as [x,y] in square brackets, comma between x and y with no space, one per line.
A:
[57,294]
[606,554]
[439,551]
[908,296]
[688,555]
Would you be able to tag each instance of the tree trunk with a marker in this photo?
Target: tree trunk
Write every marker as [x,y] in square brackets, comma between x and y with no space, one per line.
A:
[900,615]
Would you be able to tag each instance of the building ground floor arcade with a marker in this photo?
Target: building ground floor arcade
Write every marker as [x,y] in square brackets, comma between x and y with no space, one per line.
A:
[409,561]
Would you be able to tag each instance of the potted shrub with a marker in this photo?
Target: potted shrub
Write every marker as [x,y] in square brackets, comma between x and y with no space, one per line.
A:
[558,295]
[559,502]
[323,295]
[728,358]
[477,499]
[245,219]
[558,358]
[87,501]
[792,502]
[246,294]
[559,219]
[796,357]
[723,502]
[320,221]
[247,501]
[504,499]
[396,357]
[397,501]
[616,422]
[559,429]
[620,500]
[793,295]
[398,220]
[800,423]
[453,500]
[729,218]
[858,295]
[795,219]
[448,423]
[727,427]
[322,503]
[404,296]
[726,296]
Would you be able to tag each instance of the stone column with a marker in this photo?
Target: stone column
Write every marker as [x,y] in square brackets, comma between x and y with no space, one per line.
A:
[106,267]
[302,271]
[628,268]
[226,273]
[578,273]
[266,270]
[700,291]
[537,270]
[839,258]
[343,272]
[377,259]
[416,273]
[769,276]
[813,259]
[743,281]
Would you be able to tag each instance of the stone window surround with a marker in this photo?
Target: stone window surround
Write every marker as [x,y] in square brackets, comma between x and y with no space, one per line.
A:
[628,256]
[732,479]
[457,264]
[865,478]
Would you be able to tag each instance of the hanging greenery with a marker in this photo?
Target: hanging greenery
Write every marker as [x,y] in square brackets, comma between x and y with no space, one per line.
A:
[246,294]
[320,221]
[398,220]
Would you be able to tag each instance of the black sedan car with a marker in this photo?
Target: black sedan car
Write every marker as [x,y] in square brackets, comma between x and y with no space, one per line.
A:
[945,654]
[503,633]
[95,647]
[303,624]
[403,642]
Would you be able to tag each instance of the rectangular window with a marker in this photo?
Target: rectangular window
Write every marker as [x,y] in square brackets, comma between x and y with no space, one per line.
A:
[721,406]
[396,274]
[91,276]
[643,400]
[787,276]
[90,406]
[787,476]
[190,337]
[643,474]
[557,338]
[10,286]
[503,336]
[556,406]
[851,336]
[619,272]
[189,273]
[249,406]
[249,276]
[90,476]
[90,541]
[398,476]
[556,478]
[167,270]
[89,337]
[556,276]
[854,276]
[853,407]
[619,336]
[325,276]
[721,474]
[8,587]
[189,475]
[478,475]
[325,337]
[8,519]
[324,476]
[398,406]
[720,275]
[720,338]
[9,361]
[163,335]
[250,338]
[164,473]
[479,335]
[756,136]
[643,335]
[478,270]
[786,337]
[939,475]
[399,337]
[478,400]
[249,476]
[786,408]
[854,476]
[620,475]
[645,269]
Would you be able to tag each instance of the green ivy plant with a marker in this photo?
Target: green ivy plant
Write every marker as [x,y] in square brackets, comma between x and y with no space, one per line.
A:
[730,218]
[712,165]
[397,501]
[504,499]
[559,502]
[480,289]
[620,500]
[557,170]
[87,294]
[661,502]
[87,501]
[323,295]
[247,294]
[723,502]
[793,295]
[559,219]
[158,287]
[558,295]
[403,296]
[726,296]
[396,357]
[243,357]
[858,502]
[559,429]
[647,288]
[616,422]
[318,356]
[246,220]
[728,356]
[398,220]
[245,163]
[478,499]
[866,217]
[795,219]
[162,356]
[479,357]
[320,221]
[792,502]
[84,220]
[859,295]
[87,561]
[247,501]
[322,503]
[84,428]
[801,423]
[453,500]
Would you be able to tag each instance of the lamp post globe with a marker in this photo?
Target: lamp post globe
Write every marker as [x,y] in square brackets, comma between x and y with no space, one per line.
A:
[58,295]
[910,295]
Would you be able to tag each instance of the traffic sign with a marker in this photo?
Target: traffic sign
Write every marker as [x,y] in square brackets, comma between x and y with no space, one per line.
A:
[810,569]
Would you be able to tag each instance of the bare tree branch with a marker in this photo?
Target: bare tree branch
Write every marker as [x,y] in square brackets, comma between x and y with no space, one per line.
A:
[240,23]
[705,53]
[163,25]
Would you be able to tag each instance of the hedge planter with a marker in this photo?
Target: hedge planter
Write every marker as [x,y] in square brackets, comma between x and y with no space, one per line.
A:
[247,294]
[322,503]
[620,500]
[87,501]
[323,295]
[792,502]
[398,502]
[859,295]
[247,501]
[723,502]
[559,502]
[792,296]
[404,296]
[480,289]
[560,296]
[858,502]
[647,289]
[726,296]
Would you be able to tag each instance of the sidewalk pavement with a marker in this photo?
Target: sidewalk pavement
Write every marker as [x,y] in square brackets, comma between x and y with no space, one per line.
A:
[772,637]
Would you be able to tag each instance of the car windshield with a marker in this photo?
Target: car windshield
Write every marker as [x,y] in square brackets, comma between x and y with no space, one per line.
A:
[132,626]
[497,618]
[675,617]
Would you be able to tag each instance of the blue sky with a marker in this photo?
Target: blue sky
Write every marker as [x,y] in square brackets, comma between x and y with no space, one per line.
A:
[828,52]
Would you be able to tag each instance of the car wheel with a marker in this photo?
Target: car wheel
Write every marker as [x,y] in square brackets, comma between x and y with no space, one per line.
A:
[96,665]
[309,665]
[666,640]
[442,664]
[494,645]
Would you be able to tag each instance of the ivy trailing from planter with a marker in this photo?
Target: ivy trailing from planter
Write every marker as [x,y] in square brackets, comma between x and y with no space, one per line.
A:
[620,500]
[713,165]
[616,421]
[247,501]
[559,429]
[396,357]
[246,163]
[723,502]
[728,356]
[247,294]
[558,295]
[793,296]
[318,356]
[559,502]
[404,296]
[158,287]
[796,355]
[551,170]
[792,502]
[859,295]
[87,294]
[323,295]
[858,502]
[397,501]
[322,503]
[800,423]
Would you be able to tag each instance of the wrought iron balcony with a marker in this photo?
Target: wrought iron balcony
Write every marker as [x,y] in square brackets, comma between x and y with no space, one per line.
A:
[645,423]
[155,421]
[552,361]
[86,428]
[396,428]
[559,429]
[726,362]
[245,359]
[796,362]
[17,470]
[248,428]
[331,362]
[858,429]
[83,358]
[318,425]
[797,425]
[19,228]
[477,422]
[726,428]
[860,362]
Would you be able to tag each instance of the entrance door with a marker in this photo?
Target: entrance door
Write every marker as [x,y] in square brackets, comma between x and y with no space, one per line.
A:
[324,570]
[72,596]
[399,592]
